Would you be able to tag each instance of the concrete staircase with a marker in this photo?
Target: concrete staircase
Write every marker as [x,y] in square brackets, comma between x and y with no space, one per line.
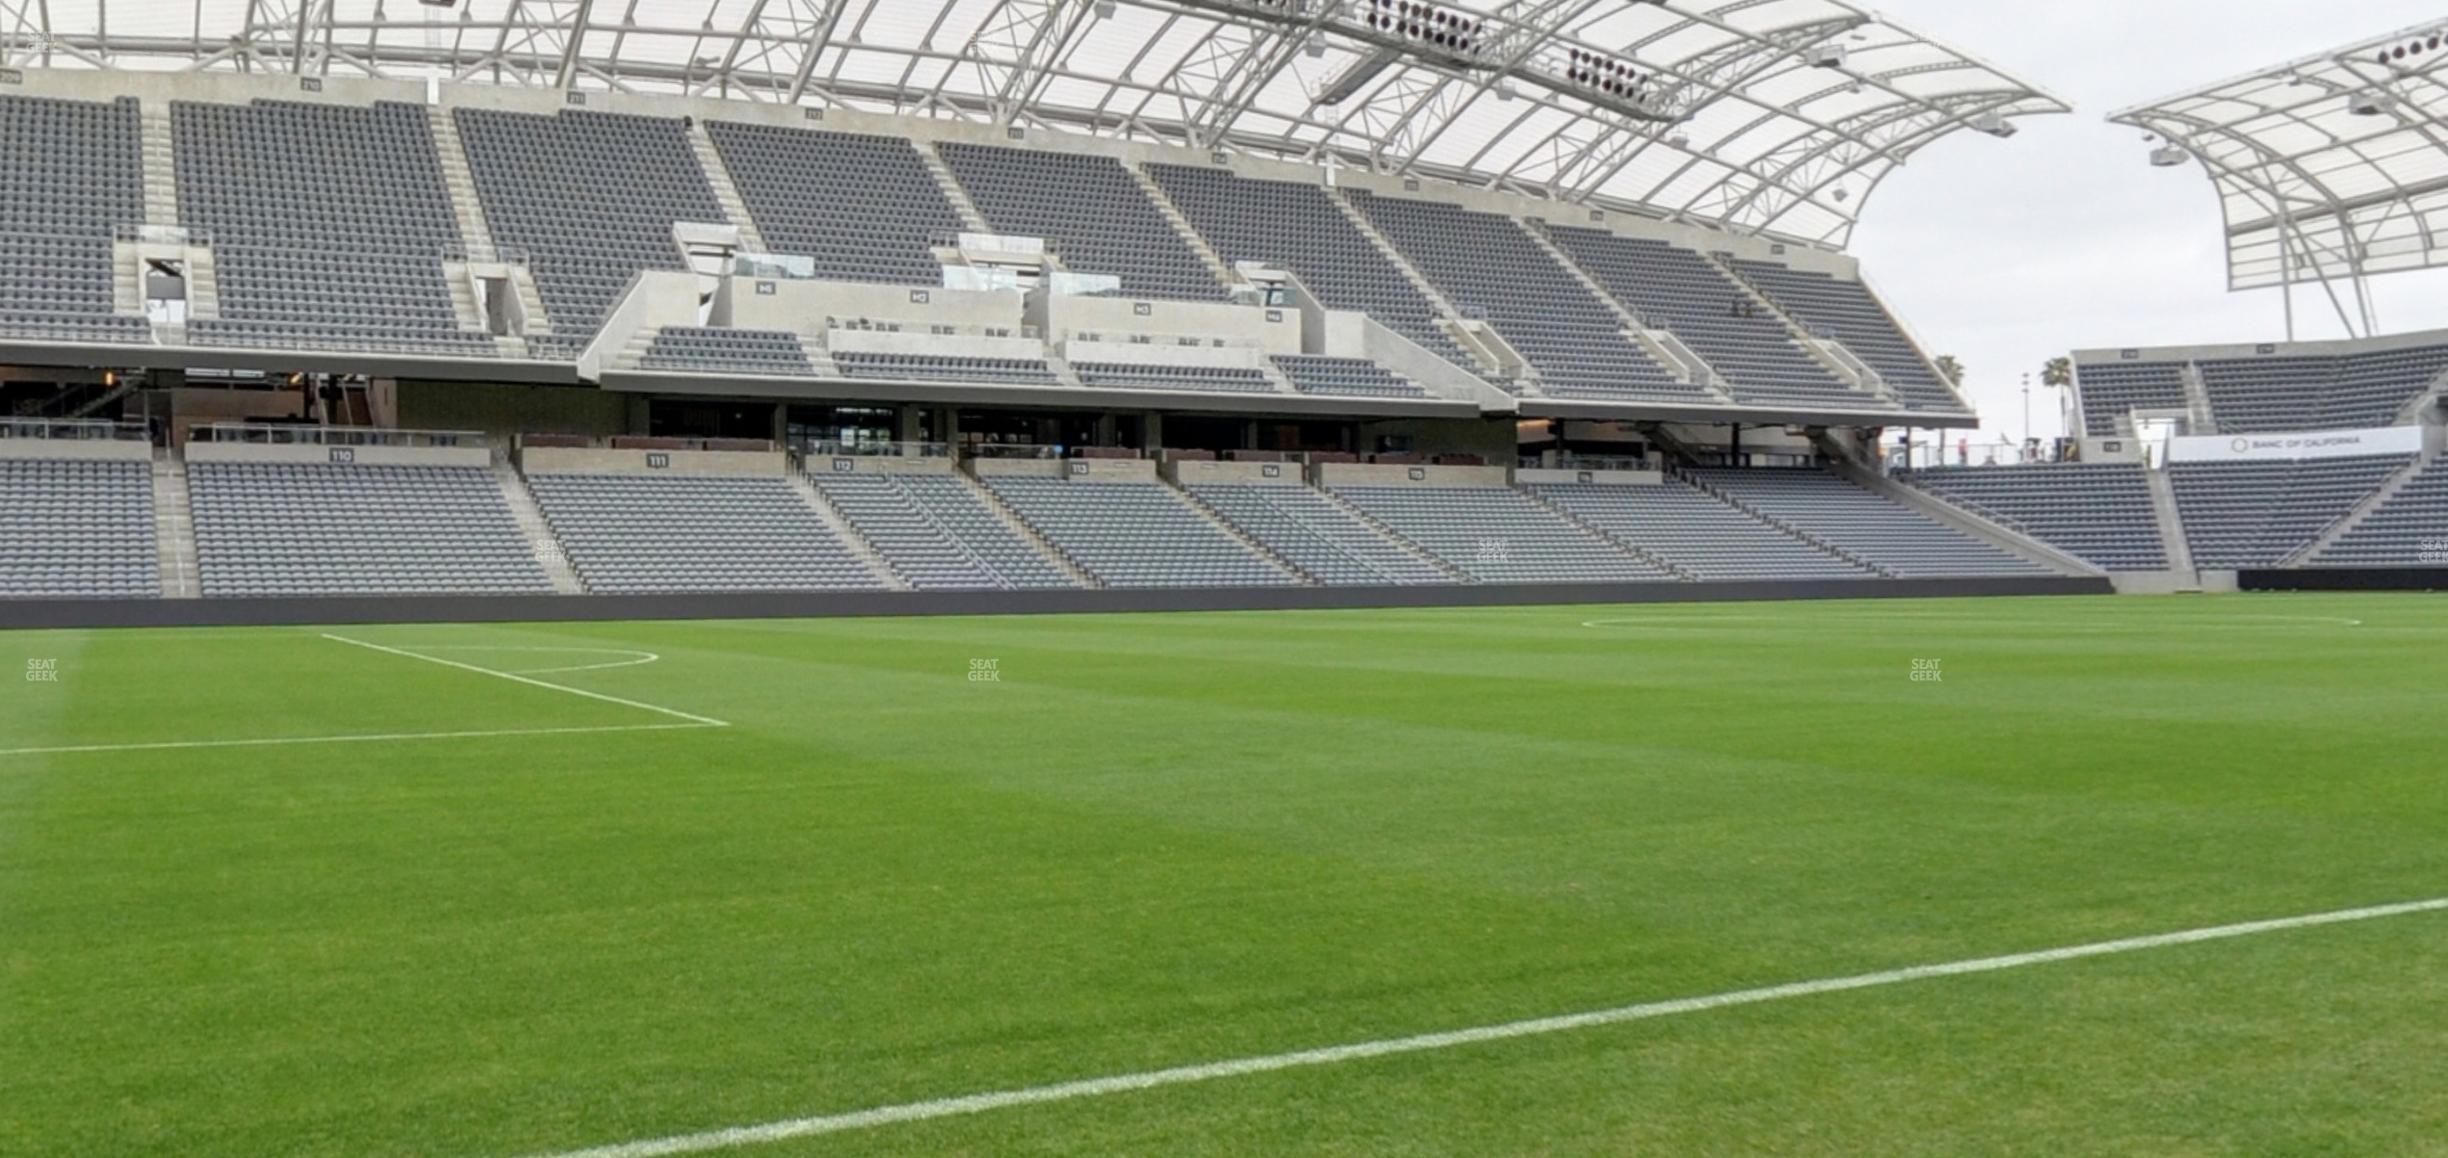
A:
[2171,526]
[1972,523]
[1027,533]
[2199,417]
[2362,510]
[203,285]
[1217,520]
[971,218]
[530,518]
[1391,535]
[1787,529]
[726,191]
[1663,348]
[1624,545]
[460,181]
[819,356]
[1452,314]
[174,528]
[840,524]
[160,165]
[1215,263]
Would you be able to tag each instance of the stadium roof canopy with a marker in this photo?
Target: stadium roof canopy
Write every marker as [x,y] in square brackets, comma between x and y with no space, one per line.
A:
[2329,168]
[1772,116]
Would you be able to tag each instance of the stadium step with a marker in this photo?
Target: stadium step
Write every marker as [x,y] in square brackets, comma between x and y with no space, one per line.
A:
[2200,417]
[203,285]
[1620,544]
[971,218]
[1964,520]
[1215,263]
[1390,535]
[160,166]
[530,518]
[726,191]
[1028,534]
[174,527]
[460,182]
[2363,510]
[819,356]
[1449,315]
[1671,355]
[841,526]
[1216,519]
[2172,533]
[1784,528]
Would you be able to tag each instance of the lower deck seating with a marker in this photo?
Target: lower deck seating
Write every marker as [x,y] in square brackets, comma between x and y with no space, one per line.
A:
[945,368]
[1318,535]
[1873,528]
[265,529]
[635,534]
[1134,534]
[1496,534]
[2100,513]
[1695,532]
[73,529]
[2255,514]
[937,534]
[2409,530]
[1212,379]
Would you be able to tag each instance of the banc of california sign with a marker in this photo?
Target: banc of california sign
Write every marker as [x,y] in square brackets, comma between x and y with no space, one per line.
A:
[2293,447]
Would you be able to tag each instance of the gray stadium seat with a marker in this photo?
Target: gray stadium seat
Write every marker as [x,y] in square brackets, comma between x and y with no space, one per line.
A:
[72,529]
[277,529]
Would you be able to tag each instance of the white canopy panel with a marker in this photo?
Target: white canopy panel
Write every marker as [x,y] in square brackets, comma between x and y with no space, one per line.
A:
[1771,116]
[2329,168]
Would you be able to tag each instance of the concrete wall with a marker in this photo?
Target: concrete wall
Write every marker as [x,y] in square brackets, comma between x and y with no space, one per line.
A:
[1369,474]
[101,613]
[1624,478]
[77,449]
[878,464]
[1197,472]
[696,463]
[341,455]
[801,307]
[1275,330]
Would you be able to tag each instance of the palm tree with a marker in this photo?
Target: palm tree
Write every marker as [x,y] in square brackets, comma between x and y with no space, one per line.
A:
[2058,374]
[1950,369]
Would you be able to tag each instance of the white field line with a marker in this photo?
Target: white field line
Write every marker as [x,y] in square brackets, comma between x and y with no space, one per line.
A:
[1333,1055]
[380,737]
[636,658]
[702,721]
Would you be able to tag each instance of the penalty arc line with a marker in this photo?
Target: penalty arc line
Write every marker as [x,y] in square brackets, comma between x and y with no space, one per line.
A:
[701,721]
[1331,1055]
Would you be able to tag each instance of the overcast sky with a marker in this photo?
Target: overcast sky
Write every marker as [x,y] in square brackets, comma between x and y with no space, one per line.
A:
[2008,253]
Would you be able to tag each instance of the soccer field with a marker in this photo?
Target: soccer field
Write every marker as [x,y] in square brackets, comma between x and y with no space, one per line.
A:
[491,890]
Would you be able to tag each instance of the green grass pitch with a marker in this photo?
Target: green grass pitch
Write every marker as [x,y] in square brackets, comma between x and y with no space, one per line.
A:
[1155,841]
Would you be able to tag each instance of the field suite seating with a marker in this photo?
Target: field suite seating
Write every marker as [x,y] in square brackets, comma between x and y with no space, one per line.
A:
[2112,389]
[1133,534]
[1497,534]
[1676,289]
[1850,313]
[72,529]
[1298,228]
[590,197]
[71,173]
[1489,265]
[1318,535]
[865,208]
[1864,525]
[2409,530]
[1091,213]
[2255,514]
[640,534]
[774,352]
[936,533]
[1694,531]
[2100,513]
[329,226]
[313,529]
